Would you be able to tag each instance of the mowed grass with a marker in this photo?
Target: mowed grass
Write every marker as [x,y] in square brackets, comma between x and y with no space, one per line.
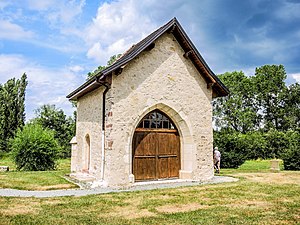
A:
[259,197]
[38,180]
[259,165]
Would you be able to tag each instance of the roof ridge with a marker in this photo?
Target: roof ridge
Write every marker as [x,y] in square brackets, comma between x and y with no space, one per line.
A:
[132,52]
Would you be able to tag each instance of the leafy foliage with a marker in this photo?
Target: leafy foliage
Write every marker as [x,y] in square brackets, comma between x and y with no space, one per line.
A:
[12,109]
[255,120]
[237,111]
[270,92]
[262,101]
[48,116]
[232,150]
[111,61]
[34,148]
[236,147]
[291,116]
[277,143]
[291,155]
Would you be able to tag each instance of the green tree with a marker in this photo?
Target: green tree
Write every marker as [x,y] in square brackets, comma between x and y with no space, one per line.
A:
[34,148]
[48,116]
[291,115]
[270,93]
[291,154]
[111,61]
[12,109]
[260,101]
[233,149]
[238,110]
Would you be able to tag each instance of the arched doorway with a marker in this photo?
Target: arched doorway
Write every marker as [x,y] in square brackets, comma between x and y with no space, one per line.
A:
[156,148]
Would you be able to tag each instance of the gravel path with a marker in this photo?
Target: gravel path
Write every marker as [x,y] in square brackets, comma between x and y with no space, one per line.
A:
[102,190]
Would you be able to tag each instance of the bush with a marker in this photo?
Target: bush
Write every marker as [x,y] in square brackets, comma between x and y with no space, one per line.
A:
[236,147]
[34,148]
[291,155]
[256,145]
[232,159]
[232,148]
[48,116]
[277,143]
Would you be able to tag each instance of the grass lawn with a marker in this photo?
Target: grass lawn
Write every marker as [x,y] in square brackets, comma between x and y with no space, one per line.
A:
[260,197]
[39,180]
[252,166]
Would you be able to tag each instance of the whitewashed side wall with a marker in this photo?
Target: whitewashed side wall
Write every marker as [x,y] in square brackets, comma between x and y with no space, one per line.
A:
[89,122]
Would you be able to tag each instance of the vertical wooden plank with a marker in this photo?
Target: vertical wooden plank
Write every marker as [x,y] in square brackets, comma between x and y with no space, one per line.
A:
[144,163]
[163,168]
[168,155]
[174,162]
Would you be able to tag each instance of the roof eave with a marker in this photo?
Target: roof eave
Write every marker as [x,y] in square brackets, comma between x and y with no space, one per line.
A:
[219,88]
[83,89]
[224,91]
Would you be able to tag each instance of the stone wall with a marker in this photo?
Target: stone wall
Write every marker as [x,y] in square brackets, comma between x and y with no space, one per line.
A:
[161,78]
[158,79]
[89,122]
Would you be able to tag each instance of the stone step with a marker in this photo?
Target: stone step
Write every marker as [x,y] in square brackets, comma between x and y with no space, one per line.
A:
[83,177]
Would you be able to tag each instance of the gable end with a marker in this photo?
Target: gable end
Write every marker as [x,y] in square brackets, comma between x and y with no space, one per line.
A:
[174,27]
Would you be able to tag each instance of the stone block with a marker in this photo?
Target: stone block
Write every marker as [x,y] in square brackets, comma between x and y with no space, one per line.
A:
[274,163]
[185,175]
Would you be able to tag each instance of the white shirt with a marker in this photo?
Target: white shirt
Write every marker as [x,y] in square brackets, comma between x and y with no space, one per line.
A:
[217,155]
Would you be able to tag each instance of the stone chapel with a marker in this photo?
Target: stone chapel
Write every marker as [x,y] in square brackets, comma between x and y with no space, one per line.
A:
[149,115]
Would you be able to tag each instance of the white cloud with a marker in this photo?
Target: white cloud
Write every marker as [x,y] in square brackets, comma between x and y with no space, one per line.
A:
[3,4]
[66,11]
[289,11]
[296,76]
[45,85]
[11,66]
[100,54]
[13,31]
[76,68]
[58,15]
[57,10]
[95,52]
[116,27]
[41,5]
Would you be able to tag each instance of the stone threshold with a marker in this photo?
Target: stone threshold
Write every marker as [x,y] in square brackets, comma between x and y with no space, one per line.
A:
[164,181]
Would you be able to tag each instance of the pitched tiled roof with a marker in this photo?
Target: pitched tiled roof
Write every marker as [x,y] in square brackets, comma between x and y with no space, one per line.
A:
[191,52]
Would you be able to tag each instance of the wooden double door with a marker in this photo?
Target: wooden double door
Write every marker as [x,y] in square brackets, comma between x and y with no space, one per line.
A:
[156,154]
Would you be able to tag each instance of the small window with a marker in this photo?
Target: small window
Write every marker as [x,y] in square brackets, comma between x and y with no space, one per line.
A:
[156,120]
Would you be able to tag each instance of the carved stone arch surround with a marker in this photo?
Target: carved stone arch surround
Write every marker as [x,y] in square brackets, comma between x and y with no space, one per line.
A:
[187,145]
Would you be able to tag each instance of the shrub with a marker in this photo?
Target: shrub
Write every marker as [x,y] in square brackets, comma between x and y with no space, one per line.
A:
[256,145]
[277,143]
[48,116]
[232,148]
[34,148]
[291,155]
[232,159]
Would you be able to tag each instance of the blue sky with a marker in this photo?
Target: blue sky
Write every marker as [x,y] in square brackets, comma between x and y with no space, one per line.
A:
[56,42]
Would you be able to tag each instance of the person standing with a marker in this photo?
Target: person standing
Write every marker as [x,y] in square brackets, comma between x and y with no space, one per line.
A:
[217,159]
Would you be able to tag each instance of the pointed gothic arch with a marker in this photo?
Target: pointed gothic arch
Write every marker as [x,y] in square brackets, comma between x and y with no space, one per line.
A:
[156,148]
